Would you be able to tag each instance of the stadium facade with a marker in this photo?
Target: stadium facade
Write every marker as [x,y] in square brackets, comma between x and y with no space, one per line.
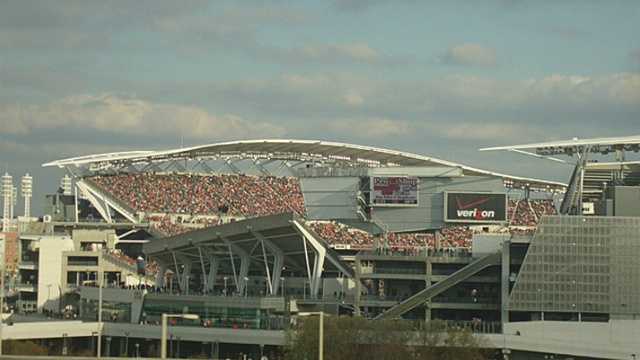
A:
[250,234]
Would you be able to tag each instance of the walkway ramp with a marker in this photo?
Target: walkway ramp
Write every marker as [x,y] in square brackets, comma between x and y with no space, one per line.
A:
[441,286]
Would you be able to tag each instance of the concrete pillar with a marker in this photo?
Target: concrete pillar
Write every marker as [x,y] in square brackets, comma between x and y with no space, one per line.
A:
[186,273]
[277,272]
[358,271]
[160,280]
[214,265]
[427,283]
[316,276]
[245,260]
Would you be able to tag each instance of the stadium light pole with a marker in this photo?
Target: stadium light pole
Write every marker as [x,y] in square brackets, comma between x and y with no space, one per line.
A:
[1,299]
[101,275]
[321,337]
[163,340]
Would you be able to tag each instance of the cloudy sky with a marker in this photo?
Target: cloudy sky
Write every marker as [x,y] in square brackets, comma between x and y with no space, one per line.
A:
[437,78]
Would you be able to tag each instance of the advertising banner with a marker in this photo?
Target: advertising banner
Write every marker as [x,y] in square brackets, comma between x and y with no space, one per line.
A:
[475,207]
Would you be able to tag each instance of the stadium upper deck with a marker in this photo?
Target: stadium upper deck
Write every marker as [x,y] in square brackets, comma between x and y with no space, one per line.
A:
[176,190]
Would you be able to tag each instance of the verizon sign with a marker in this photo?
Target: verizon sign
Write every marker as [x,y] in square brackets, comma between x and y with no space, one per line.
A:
[475,207]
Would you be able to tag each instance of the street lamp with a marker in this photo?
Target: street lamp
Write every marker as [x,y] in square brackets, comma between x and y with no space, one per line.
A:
[100,284]
[126,343]
[165,317]
[64,344]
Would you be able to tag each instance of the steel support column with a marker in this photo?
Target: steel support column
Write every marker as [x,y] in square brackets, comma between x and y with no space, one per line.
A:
[278,261]
[245,261]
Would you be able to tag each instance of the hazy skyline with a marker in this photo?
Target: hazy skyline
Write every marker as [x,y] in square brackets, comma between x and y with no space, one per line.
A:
[434,78]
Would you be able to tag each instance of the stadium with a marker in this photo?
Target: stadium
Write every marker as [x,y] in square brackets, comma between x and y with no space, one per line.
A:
[248,235]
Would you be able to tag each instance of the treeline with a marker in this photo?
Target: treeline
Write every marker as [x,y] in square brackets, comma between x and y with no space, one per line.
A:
[355,338]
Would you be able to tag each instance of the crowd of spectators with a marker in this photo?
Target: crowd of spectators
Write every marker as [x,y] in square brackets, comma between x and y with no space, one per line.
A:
[527,212]
[335,233]
[168,225]
[237,195]
[523,218]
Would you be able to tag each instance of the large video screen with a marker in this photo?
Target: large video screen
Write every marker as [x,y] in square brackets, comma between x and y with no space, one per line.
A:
[475,207]
[394,191]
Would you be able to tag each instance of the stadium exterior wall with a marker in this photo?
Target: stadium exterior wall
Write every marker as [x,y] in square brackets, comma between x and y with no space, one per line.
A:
[429,214]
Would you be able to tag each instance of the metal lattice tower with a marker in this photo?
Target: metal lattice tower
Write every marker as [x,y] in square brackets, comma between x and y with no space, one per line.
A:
[14,199]
[7,194]
[26,187]
[65,184]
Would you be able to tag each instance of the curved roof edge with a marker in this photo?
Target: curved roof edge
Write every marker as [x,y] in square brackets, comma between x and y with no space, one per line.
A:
[608,141]
[352,152]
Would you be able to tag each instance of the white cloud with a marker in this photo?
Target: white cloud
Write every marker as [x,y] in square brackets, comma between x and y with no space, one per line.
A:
[614,89]
[353,98]
[126,115]
[470,54]
[486,131]
[325,53]
[370,128]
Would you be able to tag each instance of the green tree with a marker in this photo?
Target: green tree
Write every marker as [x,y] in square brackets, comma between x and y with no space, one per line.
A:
[355,338]
[23,347]
[438,341]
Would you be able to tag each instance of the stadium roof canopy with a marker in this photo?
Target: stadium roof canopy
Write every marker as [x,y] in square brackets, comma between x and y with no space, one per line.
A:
[570,147]
[266,244]
[341,154]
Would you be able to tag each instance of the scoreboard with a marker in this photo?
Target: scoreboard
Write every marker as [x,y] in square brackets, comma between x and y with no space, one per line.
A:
[394,191]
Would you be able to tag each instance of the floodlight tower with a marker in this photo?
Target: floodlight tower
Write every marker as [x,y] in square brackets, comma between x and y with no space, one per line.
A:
[65,184]
[7,194]
[26,187]
[14,201]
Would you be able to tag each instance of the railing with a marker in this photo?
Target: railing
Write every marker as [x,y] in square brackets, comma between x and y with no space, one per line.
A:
[396,298]
[82,263]
[465,300]
[420,252]
[26,285]
[400,271]
[118,261]
[475,326]
[255,323]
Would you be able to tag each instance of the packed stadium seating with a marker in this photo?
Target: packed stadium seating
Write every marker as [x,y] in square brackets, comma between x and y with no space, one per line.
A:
[523,214]
[336,233]
[160,195]
[239,195]
[526,212]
